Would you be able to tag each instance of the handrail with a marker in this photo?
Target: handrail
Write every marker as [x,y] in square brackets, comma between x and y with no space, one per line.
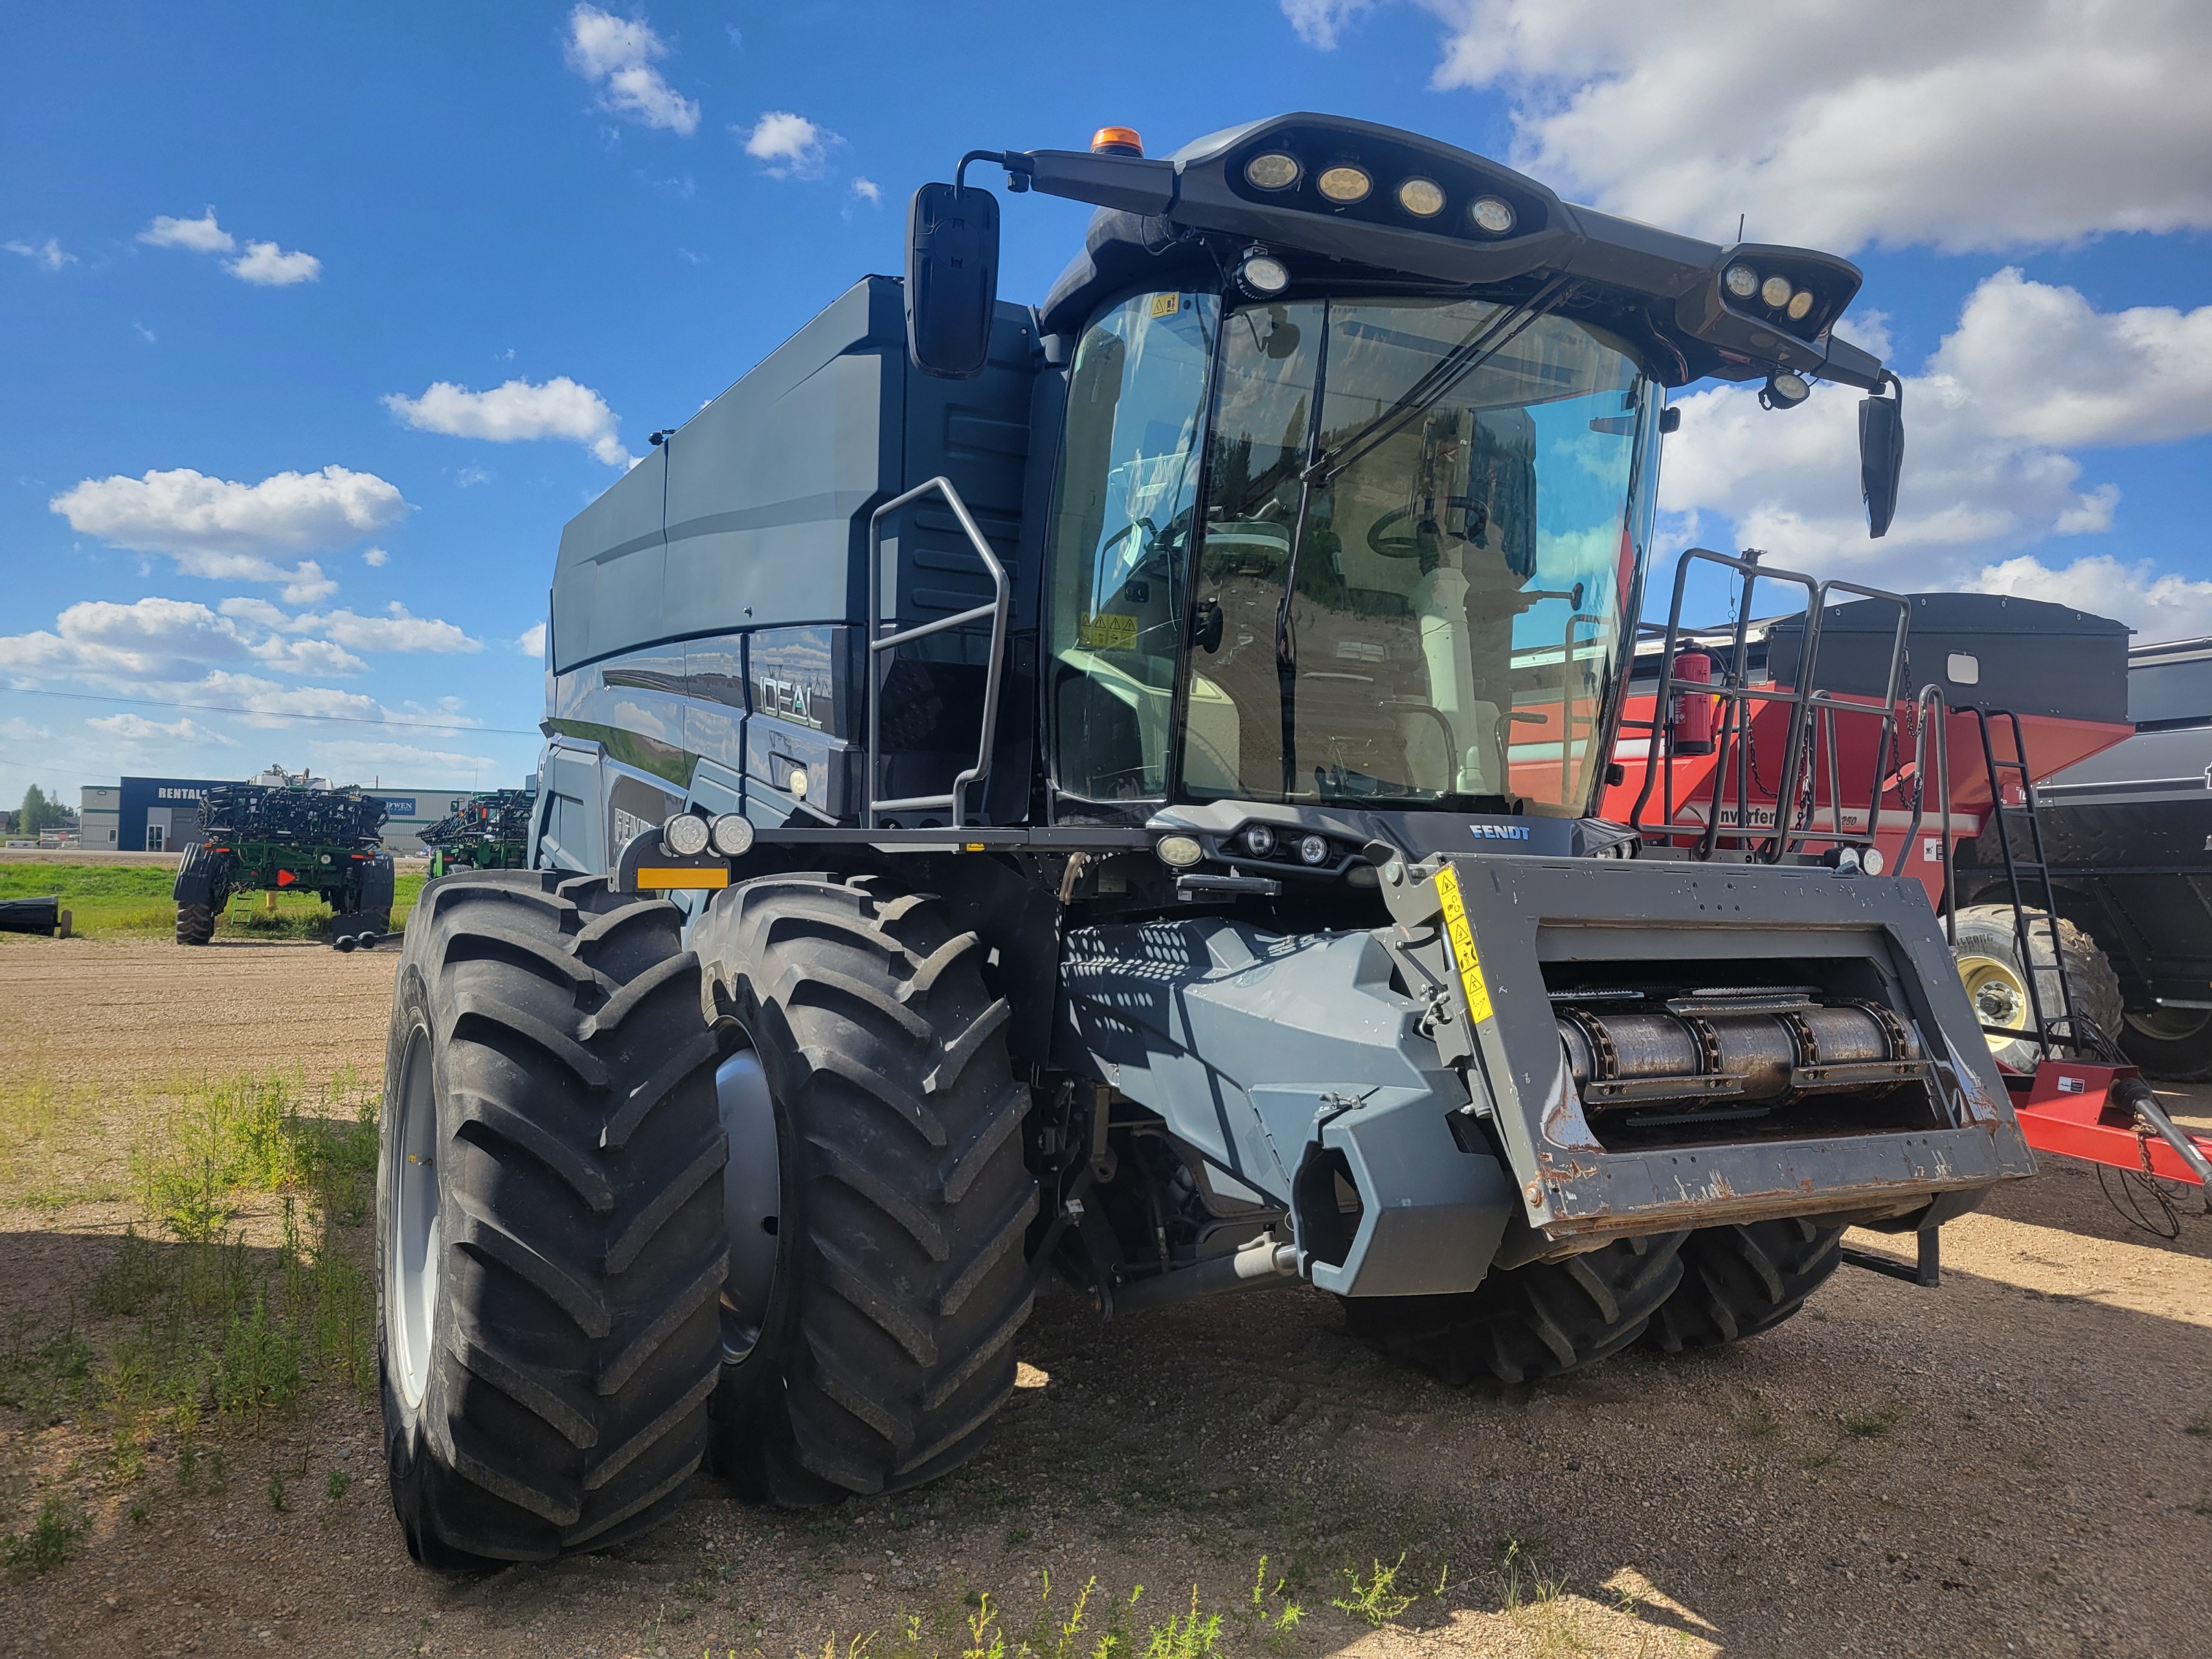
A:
[1932,693]
[996,610]
[1732,740]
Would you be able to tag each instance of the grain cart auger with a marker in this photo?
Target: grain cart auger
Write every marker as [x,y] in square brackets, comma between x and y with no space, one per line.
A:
[1110,788]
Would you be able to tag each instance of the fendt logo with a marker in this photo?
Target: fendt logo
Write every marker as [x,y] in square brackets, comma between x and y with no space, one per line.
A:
[1500,831]
[789,700]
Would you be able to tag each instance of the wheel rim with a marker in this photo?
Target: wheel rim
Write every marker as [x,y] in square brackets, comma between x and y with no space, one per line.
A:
[1998,995]
[752,1198]
[411,1271]
[2170,1024]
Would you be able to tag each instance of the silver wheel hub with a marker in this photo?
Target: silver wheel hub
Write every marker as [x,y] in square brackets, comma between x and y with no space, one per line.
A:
[752,1197]
[411,1269]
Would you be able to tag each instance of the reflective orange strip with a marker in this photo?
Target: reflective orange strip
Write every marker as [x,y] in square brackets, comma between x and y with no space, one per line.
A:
[661,880]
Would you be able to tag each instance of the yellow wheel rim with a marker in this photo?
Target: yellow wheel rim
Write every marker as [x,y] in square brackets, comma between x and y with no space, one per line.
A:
[1998,995]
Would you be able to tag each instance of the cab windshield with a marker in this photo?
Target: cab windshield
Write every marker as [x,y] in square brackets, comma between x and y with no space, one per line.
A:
[1429,617]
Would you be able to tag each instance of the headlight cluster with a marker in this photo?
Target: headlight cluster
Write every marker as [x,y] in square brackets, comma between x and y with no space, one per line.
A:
[1260,840]
[1774,292]
[687,835]
[1346,184]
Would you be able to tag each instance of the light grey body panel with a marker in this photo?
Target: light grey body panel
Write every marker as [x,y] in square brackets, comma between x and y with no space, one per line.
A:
[1258,1049]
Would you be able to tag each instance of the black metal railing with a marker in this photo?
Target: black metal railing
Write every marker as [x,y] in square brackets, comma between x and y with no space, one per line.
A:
[881,645]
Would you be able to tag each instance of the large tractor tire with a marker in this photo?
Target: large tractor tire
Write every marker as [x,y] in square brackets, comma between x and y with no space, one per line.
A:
[195,896]
[878,1189]
[1990,962]
[549,1242]
[2173,1045]
[1739,1280]
[1524,1324]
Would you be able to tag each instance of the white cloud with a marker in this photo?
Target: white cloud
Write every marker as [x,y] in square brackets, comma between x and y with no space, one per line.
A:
[355,758]
[515,411]
[266,266]
[375,557]
[1891,121]
[200,235]
[867,190]
[262,264]
[790,146]
[469,477]
[46,255]
[136,728]
[2031,373]
[531,640]
[267,701]
[2048,367]
[144,332]
[306,584]
[217,528]
[19,730]
[1322,23]
[400,630]
[157,643]
[616,55]
[2158,606]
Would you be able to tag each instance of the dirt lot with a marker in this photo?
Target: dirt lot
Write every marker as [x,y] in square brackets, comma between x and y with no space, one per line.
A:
[2020,1461]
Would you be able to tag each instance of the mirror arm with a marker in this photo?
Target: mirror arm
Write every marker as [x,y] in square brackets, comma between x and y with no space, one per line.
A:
[1849,365]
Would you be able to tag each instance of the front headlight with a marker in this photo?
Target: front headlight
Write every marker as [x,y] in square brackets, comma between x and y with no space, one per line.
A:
[685,836]
[1422,197]
[1273,171]
[1493,215]
[1345,185]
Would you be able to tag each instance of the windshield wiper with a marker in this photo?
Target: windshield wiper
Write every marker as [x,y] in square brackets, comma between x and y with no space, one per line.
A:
[1431,389]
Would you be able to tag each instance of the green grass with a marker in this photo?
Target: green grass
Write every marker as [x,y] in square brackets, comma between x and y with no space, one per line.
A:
[132,901]
[186,1326]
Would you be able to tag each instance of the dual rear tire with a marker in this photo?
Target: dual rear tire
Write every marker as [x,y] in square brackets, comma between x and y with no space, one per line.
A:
[561,1337]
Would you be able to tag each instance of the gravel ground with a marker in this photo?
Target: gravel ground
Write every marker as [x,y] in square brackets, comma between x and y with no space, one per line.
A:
[2019,1462]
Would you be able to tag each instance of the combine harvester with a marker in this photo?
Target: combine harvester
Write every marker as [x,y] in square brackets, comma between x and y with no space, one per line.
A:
[1855,749]
[1123,788]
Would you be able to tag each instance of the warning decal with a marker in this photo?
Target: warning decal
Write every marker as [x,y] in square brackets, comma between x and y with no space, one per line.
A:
[1462,946]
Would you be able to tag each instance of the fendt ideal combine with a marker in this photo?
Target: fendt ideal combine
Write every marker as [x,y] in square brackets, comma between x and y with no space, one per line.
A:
[1113,788]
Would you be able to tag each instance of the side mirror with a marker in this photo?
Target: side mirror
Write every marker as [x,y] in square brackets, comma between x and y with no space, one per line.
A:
[1881,455]
[952,279]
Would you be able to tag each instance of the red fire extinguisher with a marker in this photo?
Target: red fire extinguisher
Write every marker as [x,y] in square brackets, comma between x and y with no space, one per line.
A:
[1690,721]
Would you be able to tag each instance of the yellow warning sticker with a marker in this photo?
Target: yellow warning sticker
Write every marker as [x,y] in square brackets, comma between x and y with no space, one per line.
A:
[1462,946]
[1166,305]
[1108,632]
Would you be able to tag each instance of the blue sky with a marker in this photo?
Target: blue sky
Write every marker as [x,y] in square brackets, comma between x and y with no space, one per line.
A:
[259,266]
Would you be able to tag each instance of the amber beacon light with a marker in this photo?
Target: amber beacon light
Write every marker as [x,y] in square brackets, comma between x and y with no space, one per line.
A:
[1116,141]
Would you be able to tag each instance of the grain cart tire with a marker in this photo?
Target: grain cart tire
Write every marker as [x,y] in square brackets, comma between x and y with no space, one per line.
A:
[195,893]
[2173,1045]
[549,1243]
[874,1349]
[1522,1324]
[1988,955]
[1739,1280]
